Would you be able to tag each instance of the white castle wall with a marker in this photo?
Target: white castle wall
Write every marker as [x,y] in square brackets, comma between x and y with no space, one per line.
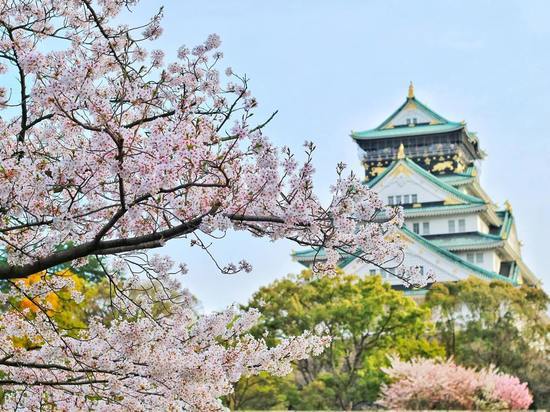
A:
[408,185]
[440,224]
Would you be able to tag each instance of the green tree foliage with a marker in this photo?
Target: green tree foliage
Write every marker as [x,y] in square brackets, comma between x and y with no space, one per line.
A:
[367,320]
[494,323]
[260,392]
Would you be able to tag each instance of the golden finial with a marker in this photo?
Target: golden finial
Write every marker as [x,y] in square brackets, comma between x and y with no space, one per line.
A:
[401,152]
[507,206]
[411,90]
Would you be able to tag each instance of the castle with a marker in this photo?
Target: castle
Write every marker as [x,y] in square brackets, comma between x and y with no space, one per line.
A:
[430,166]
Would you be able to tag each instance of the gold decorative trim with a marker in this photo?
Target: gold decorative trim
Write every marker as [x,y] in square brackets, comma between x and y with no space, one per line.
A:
[507,206]
[442,166]
[410,95]
[401,169]
[405,239]
[451,201]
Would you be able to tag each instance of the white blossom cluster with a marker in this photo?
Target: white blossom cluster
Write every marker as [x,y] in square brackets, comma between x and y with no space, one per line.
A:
[181,362]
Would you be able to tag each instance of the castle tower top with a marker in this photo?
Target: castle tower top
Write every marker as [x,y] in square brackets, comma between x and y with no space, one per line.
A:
[411,91]
[439,145]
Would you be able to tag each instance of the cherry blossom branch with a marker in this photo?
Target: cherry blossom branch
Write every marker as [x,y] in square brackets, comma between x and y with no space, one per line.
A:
[109,151]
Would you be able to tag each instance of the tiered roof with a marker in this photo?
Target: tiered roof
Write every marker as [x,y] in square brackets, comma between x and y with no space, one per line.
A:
[308,256]
[444,244]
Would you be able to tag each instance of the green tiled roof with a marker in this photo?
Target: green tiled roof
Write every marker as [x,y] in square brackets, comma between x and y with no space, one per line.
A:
[465,241]
[456,179]
[309,254]
[420,106]
[441,125]
[407,131]
[443,210]
[507,221]
[438,182]
[480,271]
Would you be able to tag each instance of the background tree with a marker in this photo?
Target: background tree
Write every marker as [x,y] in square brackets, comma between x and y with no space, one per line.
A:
[367,321]
[428,384]
[494,323]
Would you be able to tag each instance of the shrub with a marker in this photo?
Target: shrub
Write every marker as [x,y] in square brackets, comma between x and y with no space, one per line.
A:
[437,384]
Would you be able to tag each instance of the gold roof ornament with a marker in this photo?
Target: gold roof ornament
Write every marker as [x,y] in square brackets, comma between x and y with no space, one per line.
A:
[411,90]
[401,152]
[507,206]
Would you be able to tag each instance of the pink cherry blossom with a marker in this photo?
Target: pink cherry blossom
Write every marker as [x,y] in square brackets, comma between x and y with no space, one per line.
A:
[510,390]
[436,384]
[108,153]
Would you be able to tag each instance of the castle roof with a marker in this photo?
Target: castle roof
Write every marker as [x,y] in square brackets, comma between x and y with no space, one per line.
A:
[464,241]
[411,165]
[459,179]
[307,256]
[410,119]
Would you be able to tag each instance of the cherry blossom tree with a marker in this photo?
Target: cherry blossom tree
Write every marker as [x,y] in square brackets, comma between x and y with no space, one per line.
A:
[433,384]
[109,152]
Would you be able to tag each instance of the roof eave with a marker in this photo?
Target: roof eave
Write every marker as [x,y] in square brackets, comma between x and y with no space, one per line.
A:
[480,271]
[412,132]
[465,248]
[445,211]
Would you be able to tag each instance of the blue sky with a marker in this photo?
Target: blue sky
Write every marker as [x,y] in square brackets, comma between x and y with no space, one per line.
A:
[331,67]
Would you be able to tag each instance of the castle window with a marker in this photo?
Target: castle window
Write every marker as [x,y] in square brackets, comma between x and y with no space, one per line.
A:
[426,228]
[479,257]
[414,198]
[397,200]
[470,257]
[390,200]
[415,120]
[461,225]
[372,272]
[406,199]
[416,228]
[408,121]
[451,226]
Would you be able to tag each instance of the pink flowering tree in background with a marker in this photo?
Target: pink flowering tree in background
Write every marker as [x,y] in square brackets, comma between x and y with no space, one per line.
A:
[109,152]
[436,384]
